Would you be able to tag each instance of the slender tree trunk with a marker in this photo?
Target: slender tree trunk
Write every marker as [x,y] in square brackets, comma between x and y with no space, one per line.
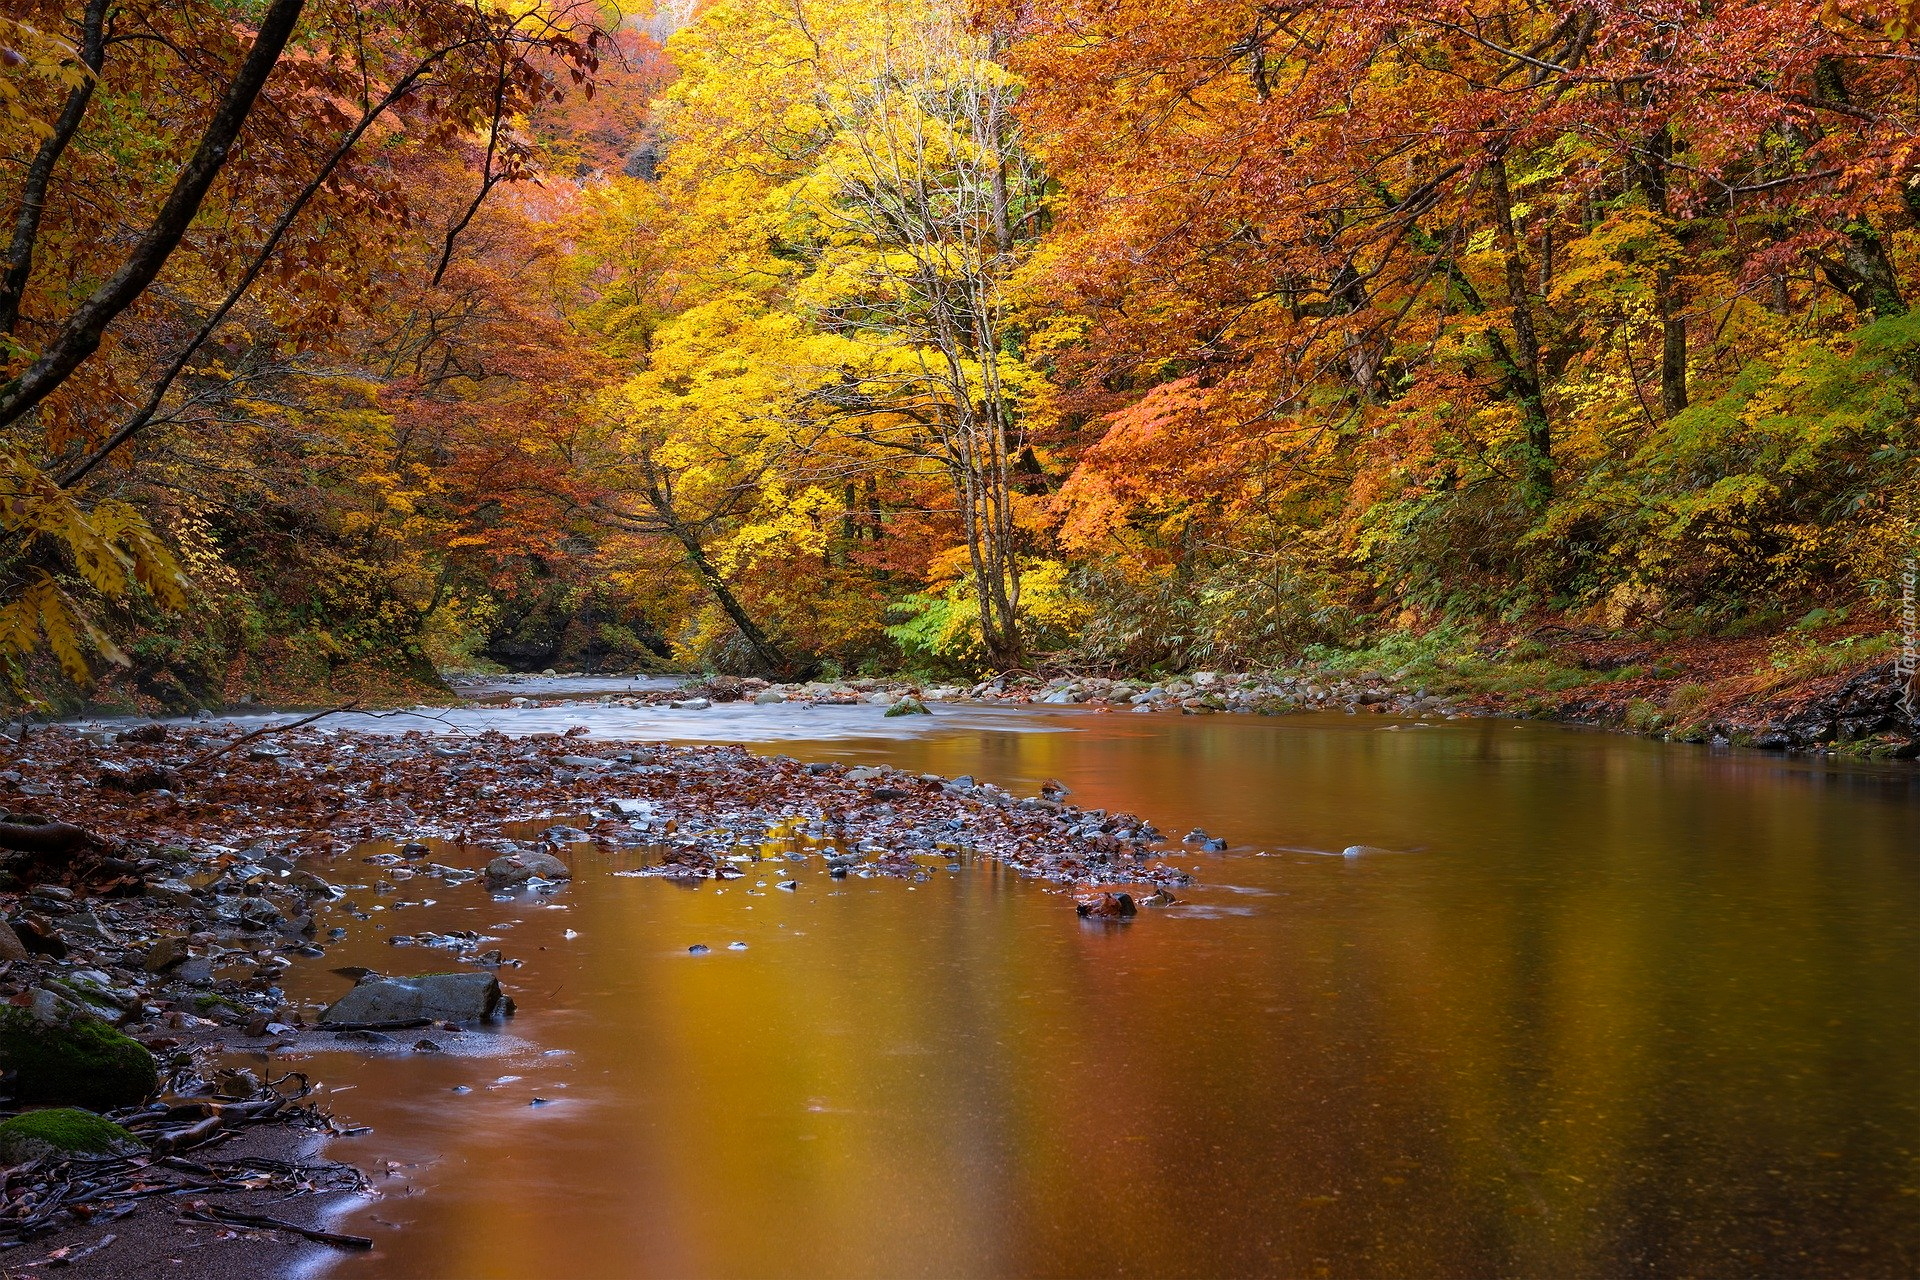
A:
[33,192]
[1523,382]
[81,335]
[1864,273]
[1667,303]
[776,662]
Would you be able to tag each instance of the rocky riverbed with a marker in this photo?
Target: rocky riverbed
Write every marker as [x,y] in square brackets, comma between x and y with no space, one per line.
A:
[158,882]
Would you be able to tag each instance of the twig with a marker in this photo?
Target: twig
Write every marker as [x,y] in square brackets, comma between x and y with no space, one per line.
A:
[68,1256]
[264,730]
[232,1217]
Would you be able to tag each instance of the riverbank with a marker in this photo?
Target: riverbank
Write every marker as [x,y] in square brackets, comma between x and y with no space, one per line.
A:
[159,881]
[1717,693]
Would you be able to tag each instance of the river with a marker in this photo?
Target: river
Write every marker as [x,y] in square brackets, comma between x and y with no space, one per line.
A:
[1592,1006]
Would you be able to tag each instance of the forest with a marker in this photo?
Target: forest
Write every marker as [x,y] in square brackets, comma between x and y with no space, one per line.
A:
[350,341]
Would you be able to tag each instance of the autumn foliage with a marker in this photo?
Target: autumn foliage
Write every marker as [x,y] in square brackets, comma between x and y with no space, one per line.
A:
[781,333]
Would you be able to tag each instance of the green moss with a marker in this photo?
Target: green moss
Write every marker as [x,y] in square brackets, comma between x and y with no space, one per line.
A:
[82,1061]
[61,1131]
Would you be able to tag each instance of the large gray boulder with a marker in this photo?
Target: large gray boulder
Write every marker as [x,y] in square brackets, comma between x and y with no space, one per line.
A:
[435,997]
[511,870]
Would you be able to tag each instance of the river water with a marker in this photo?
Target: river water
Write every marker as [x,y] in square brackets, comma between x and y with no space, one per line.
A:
[1596,1007]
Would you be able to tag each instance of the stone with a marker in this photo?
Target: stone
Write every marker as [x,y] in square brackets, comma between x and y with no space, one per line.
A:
[175,893]
[39,937]
[62,1057]
[511,870]
[1105,906]
[435,997]
[691,704]
[909,706]
[195,972]
[62,1132]
[11,948]
[165,953]
[768,697]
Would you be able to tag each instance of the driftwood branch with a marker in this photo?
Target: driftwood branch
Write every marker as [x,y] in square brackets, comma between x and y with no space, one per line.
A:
[46,837]
[232,1217]
[262,732]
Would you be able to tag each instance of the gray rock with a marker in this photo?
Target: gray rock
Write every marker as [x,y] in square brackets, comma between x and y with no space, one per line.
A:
[511,870]
[438,997]
[691,704]
[768,697]
[165,953]
[908,706]
[196,972]
[175,893]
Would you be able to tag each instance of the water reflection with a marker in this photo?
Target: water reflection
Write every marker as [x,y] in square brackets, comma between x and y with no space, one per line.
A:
[1617,1009]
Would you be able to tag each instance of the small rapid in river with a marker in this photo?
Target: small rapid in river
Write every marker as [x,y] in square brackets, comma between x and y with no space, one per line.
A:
[1581,1005]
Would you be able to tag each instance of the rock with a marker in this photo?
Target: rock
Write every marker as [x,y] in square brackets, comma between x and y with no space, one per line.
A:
[511,870]
[1105,906]
[583,762]
[11,948]
[63,1131]
[62,1057]
[165,953]
[909,706]
[196,972]
[690,704]
[434,997]
[149,733]
[633,808]
[310,885]
[139,778]
[698,949]
[1361,850]
[768,697]
[39,937]
[175,893]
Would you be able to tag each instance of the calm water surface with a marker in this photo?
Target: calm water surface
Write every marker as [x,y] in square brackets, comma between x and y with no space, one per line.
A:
[1609,1008]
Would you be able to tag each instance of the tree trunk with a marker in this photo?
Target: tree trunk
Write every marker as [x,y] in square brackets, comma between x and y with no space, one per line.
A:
[776,662]
[33,193]
[1523,380]
[80,336]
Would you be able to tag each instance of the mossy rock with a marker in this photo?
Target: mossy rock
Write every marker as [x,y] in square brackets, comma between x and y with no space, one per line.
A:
[82,1061]
[63,1131]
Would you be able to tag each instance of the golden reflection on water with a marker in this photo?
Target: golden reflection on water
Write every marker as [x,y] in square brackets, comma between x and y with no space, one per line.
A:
[1613,1009]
